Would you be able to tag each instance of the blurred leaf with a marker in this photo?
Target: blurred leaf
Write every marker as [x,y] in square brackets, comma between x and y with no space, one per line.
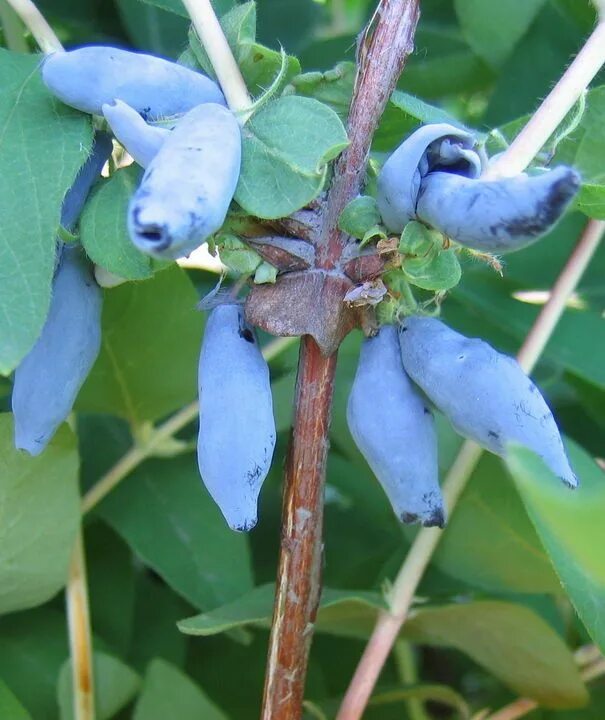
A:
[181,534]
[115,686]
[176,6]
[577,344]
[285,152]
[111,586]
[490,542]
[288,22]
[591,201]
[43,143]
[138,375]
[570,526]
[157,610]
[10,707]
[260,65]
[585,147]
[443,65]
[33,646]
[40,505]
[403,114]
[168,694]
[153,29]
[103,230]
[493,29]
[441,694]
[511,642]
[547,48]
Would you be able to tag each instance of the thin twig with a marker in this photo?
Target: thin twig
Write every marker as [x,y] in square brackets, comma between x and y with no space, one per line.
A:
[215,44]
[388,624]
[34,21]
[382,52]
[554,108]
[80,636]
[12,28]
[136,455]
[523,706]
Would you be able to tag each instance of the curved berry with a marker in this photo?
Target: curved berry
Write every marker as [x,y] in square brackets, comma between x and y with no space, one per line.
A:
[141,141]
[485,395]
[496,216]
[89,77]
[394,430]
[438,145]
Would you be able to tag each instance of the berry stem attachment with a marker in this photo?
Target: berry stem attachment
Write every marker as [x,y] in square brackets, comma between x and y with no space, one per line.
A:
[559,102]
[215,43]
[35,22]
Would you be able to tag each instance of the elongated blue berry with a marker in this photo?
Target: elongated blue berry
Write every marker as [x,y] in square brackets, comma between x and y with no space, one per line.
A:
[188,186]
[485,395]
[89,77]
[49,378]
[237,430]
[496,216]
[394,430]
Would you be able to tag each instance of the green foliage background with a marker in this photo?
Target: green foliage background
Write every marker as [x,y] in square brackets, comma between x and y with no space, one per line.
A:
[518,581]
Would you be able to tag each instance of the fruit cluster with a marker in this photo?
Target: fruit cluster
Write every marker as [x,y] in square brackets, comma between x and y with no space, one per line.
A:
[484,394]
[192,166]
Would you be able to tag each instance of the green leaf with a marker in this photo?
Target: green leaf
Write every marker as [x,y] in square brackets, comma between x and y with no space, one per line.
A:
[359,216]
[181,535]
[591,201]
[40,505]
[333,88]
[510,641]
[425,262]
[33,646]
[259,64]
[168,694]
[103,230]
[441,694]
[489,542]
[111,585]
[445,67]
[255,608]
[138,374]
[42,146]
[570,527]
[403,114]
[493,29]
[286,148]
[10,707]
[265,273]
[115,685]
[236,255]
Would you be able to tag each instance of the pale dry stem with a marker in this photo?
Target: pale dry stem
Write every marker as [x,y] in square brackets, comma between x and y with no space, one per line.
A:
[33,19]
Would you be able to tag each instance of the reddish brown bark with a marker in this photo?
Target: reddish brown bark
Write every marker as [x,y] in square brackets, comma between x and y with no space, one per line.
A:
[298,576]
